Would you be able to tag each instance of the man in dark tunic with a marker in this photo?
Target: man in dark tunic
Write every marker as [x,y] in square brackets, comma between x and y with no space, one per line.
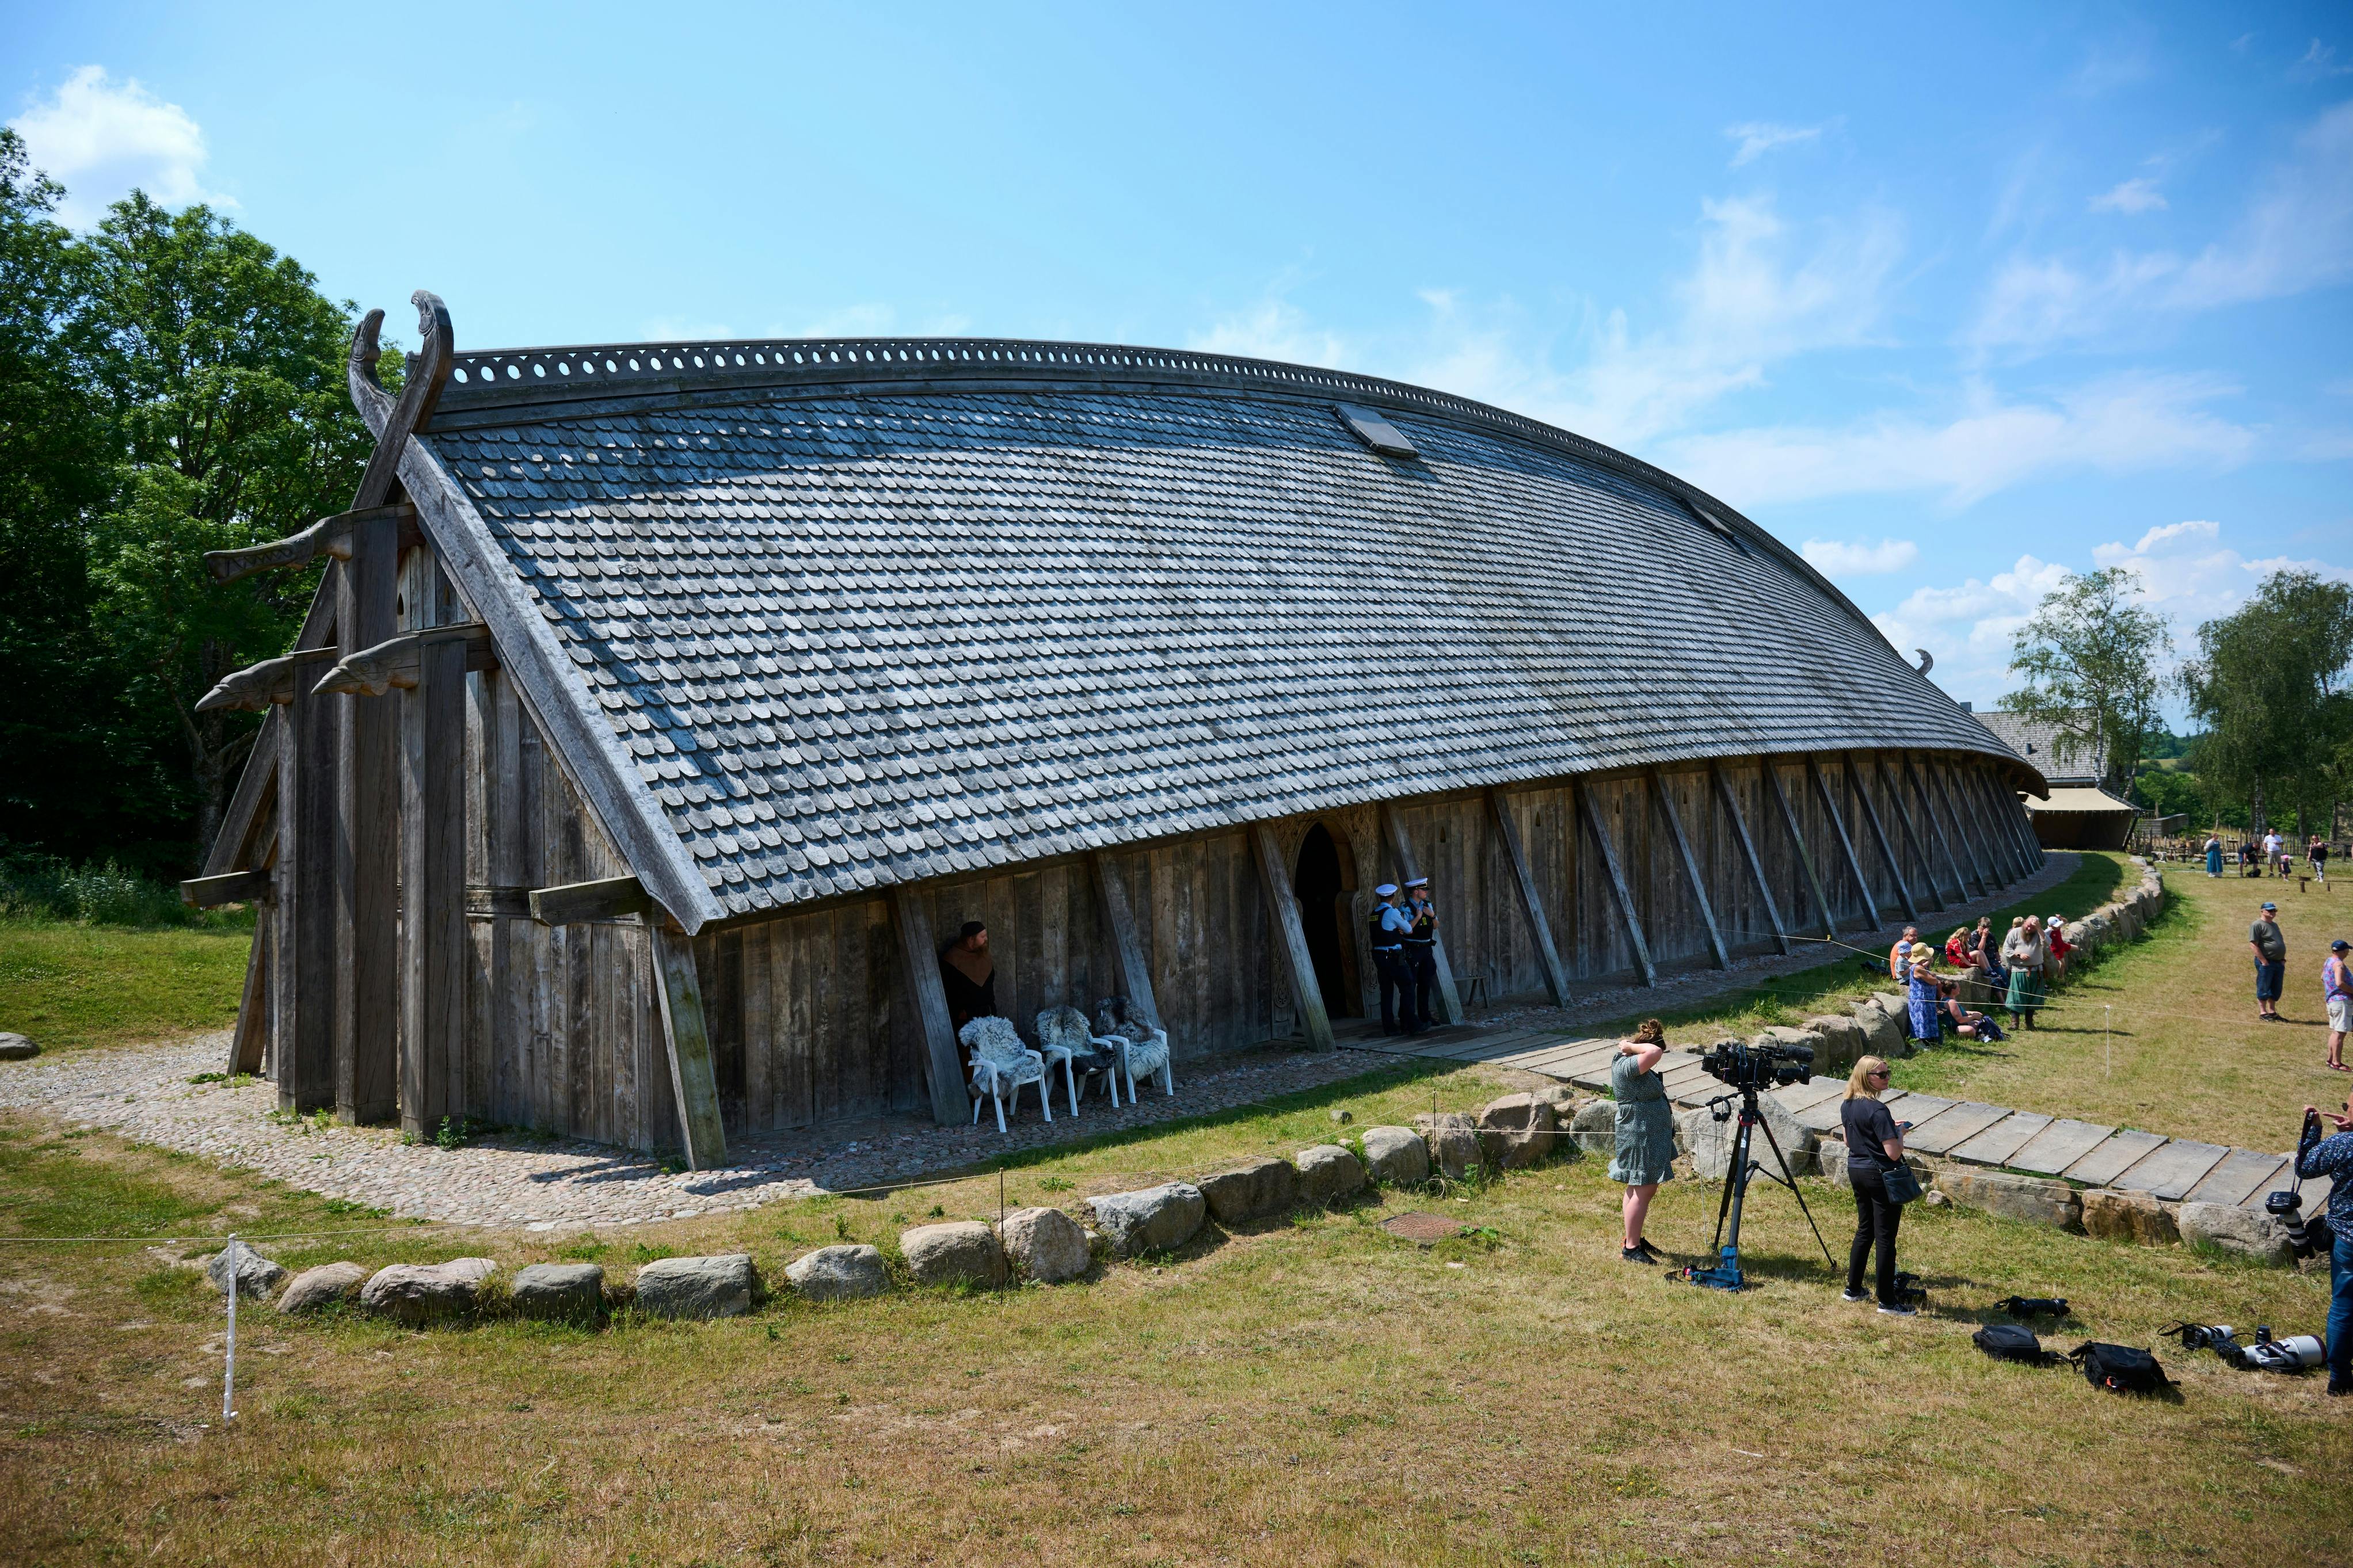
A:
[968,975]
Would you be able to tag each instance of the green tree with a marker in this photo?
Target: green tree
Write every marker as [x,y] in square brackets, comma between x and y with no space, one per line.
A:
[2270,686]
[2090,657]
[221,366]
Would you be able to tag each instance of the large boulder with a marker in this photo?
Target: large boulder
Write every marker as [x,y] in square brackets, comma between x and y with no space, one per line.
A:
[1709,1142]
[722,1286]
[2029,1198]
[1886,1024]
[1787,1038]
[15,1047]
[1328,1173]
[256,1276]
[1594,1128]
[2250,1232]
[560,1292]
[1830,1161]
[1046,1244]
[1253,1191]
[419,1293]
[1396,1155]
[1522,1128]
[328,1284]
[2115,1215]
[1844,1041]
[1156,1219]
[838,1273]
[1453,1141]
[960,1252]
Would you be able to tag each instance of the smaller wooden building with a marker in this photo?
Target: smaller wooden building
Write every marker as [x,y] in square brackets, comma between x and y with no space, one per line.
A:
[2076,811]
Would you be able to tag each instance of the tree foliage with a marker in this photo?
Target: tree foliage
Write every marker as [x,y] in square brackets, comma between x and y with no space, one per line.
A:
[2270,685]
[2090,655]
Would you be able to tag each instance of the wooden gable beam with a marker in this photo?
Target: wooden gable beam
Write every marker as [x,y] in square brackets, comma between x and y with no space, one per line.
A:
[394,663]
[235,888]
[1846,845]
[329,536]
[1788,813]
[692,1077]
[1666,805]
[1619,893]
[1401,847]
[1508,832]
[1283,915]
[919,953]
[1748,853]
[572,904]
[1127,942]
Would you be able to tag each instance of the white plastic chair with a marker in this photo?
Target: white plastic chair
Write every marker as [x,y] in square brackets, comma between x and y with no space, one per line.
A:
[1001,1064]
[1143,1049]
[1063,1037]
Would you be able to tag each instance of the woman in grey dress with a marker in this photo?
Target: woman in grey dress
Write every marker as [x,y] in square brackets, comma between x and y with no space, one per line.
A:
[1646,1132]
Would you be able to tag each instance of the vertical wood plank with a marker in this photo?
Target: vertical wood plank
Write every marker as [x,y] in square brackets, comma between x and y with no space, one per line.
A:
[438,962]
[757,995]
[1788,813]
[788,969]
[1731,804]
[1856,776]
[1846,845]
[1401,851]
[944,1062]
[307,821]
[367,840]
[679,991]
[1539,927]
[1615,876]
[1127,946]
[1913,839]
[1682,845]
[1948,793]
[1283,915]
[1935,826]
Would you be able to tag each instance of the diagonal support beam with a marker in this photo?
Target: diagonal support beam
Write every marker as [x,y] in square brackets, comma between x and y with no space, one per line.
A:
[1863,775]
[1524,878]
[692,1077]
[1619,893]
[1666,805]
[1136,971]
[1846,845]
[1401,847]
[1798,840]
[1859,782]
[1283,914]
[943,1058]
[1980,866]
[1944,840]
[1748,853]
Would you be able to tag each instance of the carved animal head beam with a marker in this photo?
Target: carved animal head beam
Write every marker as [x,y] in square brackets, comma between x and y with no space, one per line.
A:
[259,686]
[373,671]
[424,375]
[328,536]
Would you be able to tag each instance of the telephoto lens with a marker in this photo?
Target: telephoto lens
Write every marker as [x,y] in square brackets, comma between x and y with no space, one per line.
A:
[2287,1208]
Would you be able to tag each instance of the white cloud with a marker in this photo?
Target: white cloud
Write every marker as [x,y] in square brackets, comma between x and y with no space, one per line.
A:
[1275,329]
[1759,137]
[2130,197]
[1841,558]
[2319,61]
[100,138]
[2123,424]
[2296,234]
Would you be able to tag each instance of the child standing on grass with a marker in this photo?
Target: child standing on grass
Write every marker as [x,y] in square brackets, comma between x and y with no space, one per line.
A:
[2337,995]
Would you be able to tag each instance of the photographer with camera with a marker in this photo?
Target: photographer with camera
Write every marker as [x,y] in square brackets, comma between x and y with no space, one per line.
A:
[1874,1154]
[1645,1155]
[2332,1156]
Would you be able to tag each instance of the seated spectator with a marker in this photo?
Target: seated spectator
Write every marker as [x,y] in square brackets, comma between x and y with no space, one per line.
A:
[968,975]
[2055,936]
[1899,957]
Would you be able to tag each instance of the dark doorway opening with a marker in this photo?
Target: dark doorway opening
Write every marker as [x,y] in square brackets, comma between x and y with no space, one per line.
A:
[1326,887]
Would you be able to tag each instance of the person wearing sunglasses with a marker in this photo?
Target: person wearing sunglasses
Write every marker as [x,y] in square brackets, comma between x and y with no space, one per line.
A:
[1874,1146]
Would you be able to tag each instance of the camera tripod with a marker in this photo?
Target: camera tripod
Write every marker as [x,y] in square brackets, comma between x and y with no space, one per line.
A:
[1725,1274]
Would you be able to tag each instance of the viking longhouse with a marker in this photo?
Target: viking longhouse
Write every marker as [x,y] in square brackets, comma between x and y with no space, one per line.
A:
[662,704]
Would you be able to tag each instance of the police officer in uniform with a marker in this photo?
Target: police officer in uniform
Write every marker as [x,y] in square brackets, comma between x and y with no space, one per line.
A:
[1391,926]
[1421,951]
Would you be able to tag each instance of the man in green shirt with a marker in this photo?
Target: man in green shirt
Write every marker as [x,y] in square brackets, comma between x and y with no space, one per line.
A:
[2270,945]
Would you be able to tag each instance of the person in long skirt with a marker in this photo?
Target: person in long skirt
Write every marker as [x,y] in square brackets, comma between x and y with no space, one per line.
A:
[1646,1133]
[1925,998]
[2024,952]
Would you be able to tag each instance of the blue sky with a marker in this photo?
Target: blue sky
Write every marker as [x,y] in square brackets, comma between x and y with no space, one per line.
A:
[1954,301]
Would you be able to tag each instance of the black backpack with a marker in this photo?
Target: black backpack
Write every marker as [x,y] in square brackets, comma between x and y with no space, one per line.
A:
[2007,1341]
[2034,1306]
[2120,1368]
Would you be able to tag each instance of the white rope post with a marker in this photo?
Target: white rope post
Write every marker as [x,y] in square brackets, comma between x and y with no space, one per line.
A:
[2107,1038]
[228,1371]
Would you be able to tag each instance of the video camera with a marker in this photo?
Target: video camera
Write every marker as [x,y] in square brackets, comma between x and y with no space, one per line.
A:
[1747,1067]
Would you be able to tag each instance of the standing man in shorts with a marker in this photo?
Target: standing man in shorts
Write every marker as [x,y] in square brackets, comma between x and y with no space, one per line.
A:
[2270,944]
[2337,995]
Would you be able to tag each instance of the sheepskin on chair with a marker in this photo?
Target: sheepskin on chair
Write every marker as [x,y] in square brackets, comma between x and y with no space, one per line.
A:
[1146,1052]
[1001,1064]
[1063,1037]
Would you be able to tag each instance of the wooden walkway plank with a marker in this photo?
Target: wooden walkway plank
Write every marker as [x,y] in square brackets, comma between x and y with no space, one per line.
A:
[2242,1171]
[1823,1116]
[1593,1076]
[1953,1128]
[1917,1108]
[1797,1096]
[2168,1172]
[1997,1143]
[2315,1195]
[2113,1158]
[2058,1146]
[1550,1057]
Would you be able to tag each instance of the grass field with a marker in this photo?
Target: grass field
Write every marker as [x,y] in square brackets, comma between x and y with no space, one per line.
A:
[69,985]
[1310,1390]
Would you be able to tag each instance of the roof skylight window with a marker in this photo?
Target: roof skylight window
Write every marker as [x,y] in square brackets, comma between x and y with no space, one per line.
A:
[1375,430]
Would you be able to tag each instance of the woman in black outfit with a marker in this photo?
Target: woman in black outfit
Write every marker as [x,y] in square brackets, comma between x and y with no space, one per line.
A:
[1874,1144]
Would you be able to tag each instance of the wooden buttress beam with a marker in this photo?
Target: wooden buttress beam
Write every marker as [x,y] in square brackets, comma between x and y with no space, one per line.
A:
[1914,776]
[1912,839]
[433,937]
[1988,793]
[1953,798]
[1449,1001]
[1666,804]
[692,1077]
[251,1037]
[1798,840]
[1748,853]
[1508,832]
[1619,893]
[1846,845]
[943,1058]
[1119,914]
[1859,782]
[1283,914]
[367,868]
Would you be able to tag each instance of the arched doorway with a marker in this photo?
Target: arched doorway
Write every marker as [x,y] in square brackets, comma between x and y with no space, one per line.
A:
[1325,883]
